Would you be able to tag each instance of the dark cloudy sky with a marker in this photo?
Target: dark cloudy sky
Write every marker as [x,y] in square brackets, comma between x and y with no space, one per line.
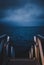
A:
[22,12]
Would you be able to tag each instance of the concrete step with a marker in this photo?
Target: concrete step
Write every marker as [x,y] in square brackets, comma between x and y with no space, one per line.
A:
[23,62]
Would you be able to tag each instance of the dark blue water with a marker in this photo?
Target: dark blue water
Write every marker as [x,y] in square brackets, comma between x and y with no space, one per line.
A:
[20,34]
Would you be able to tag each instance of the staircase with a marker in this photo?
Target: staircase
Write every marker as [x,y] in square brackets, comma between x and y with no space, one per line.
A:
[35,55]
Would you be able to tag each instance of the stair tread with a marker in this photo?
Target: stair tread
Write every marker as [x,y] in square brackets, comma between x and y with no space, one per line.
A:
[22,62]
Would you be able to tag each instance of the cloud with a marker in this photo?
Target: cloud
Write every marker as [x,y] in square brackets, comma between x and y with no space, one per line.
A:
[29,15]
[26,14]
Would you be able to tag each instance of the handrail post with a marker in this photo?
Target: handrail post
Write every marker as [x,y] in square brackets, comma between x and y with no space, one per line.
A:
[36,48]
[41,51]
[31,53]
[37,52]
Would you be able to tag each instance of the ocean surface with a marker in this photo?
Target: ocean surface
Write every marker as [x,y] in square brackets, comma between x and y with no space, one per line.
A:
[22,33]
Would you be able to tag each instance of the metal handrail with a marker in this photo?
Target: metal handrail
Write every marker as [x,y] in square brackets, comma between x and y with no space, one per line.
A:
[38,48]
